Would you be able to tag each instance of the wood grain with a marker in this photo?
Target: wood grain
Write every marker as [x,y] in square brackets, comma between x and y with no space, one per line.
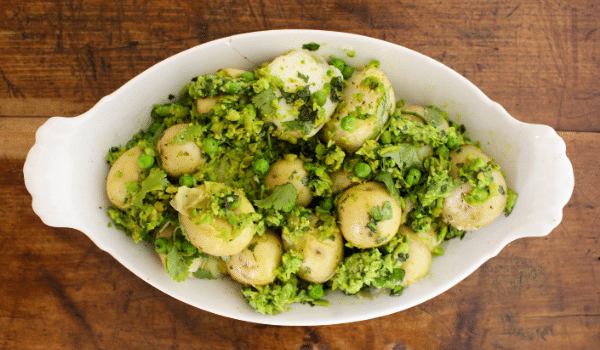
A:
[540,60]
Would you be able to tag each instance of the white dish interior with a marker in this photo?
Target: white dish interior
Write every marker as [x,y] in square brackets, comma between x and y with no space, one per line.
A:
[65,170]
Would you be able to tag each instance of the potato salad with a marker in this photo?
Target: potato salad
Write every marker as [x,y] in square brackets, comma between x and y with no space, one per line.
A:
[301,177]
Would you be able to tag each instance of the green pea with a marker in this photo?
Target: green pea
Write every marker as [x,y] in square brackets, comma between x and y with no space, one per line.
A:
[260,166]
[162,245]
[186,180]
[347,72]
[454,142]
[327,204]
[386,137]
[362,170]
[338,63]
[145,161]
[349,123]
[131,144]
[154,127]
[413,177]
[248,76]
[316,291]
[320,97]
[188,248]
[210,145]
[443,152]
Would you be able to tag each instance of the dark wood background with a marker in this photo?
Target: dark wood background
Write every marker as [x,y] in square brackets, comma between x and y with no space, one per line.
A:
[539,59]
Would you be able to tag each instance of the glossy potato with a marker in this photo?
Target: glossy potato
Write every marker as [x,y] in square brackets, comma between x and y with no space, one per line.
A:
[341,180]
[419,261]
[299,69]
[356,208]
[178,159]
[125,169]
[257,264]
[460,214]
[430,238]
[423,112]
[320,258]
[290,169]
[215,237]
[358,100]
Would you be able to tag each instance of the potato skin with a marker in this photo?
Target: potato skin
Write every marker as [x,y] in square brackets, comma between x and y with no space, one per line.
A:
[257,264]
[125,169]
[290,169]
[320,258]
[419,260]
[354,208]
[208,236]
[460,214]
[178,159]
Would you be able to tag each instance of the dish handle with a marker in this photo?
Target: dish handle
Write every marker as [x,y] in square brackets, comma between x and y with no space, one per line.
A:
[48,172]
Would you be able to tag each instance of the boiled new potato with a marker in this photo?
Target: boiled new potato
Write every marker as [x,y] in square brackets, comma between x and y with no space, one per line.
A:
[257,265]
[320,257]
[423,112]
[178,159]
[209,233]
[368,215]
[430,238]
[367,103]
[419,260]
[125,169]
[460,214]
[290,169]
[297,70]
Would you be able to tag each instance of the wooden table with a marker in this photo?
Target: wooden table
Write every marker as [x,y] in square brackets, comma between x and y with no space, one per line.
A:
[540,60]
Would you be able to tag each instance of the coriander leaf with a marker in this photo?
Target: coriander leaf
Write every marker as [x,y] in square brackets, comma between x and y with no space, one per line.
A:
[177,266]
[204,274]
[282,198]
[303,77]
[189,134]
[263,101]
[434,116]
[311,46]
[156,181]
[404,155]
[387,179]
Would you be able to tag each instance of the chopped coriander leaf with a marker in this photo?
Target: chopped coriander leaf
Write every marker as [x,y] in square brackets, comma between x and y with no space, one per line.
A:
[283,198]
[311,46]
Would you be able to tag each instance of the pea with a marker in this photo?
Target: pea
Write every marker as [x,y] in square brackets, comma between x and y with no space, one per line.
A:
[320,97]
[413,177]
[454,142]
[154,127]
[162,245]
[327,204]
[347,72]
[145,161]
[316,292]
[186,180]
[443,152]
[260,167]
[248,76]
[338,63]
[349,123]
[210,145]
[362,170]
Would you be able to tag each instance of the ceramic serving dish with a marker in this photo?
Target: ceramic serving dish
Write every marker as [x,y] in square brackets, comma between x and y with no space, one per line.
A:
[65,170]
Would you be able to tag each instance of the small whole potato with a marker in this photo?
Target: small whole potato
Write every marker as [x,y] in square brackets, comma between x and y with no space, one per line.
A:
[257,264]
[125,169]
[363,110]
[419,260]
[320,257]
[341,180]
[460,214]
[368,215]
[290,169]
[210,234]
[178,159]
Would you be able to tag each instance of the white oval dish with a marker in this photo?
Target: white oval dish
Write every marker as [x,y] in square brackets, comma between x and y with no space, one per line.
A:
[65,170]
